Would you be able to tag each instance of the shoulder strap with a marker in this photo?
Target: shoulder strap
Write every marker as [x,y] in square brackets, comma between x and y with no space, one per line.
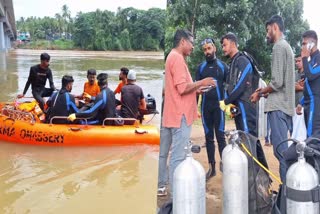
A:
[220,65]
[254,63]
[55,100]
[105,97]
[67,100]
[203,65]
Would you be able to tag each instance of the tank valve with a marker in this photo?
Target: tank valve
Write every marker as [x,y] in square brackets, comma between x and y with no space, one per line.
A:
[195,149]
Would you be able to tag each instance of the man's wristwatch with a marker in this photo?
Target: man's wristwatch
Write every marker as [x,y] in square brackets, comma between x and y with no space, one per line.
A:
[260,94]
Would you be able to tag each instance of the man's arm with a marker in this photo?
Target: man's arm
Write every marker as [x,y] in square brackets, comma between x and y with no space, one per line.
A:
[143,104]
[51,79]
[277,75]
[28,83]
[311,72]
[194,86]
[180,75]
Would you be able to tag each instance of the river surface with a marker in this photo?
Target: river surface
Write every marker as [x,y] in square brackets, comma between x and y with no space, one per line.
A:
[79,179]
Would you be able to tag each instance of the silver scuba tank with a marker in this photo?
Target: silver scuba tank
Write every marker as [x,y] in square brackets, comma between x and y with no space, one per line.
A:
[235,178]
[301,176]
[189,192]
[262,117]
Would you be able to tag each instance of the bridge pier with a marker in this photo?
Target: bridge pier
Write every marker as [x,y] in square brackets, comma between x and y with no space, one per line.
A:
[2,37]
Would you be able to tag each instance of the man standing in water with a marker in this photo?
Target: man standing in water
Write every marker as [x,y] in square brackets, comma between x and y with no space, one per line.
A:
[280,91]
[38,76]
[180,106]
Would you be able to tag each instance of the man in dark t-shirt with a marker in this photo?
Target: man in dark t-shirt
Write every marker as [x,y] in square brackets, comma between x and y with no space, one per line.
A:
[38,76]
[132,98]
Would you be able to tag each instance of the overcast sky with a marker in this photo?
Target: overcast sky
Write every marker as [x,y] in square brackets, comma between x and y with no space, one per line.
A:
[312,14]
[40,8]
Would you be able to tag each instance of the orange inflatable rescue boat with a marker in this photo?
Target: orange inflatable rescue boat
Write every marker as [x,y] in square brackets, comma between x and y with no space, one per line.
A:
[22,124]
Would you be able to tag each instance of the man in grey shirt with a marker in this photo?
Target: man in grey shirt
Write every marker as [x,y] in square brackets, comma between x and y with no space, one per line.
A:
[280,91]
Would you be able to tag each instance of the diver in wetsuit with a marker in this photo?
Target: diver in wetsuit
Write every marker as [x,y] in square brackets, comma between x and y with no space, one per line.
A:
[311,90]
[103,107]
[239,86]
[62,103]
[212,117]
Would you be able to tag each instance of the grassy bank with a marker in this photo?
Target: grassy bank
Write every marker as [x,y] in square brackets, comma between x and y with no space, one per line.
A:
[48,45]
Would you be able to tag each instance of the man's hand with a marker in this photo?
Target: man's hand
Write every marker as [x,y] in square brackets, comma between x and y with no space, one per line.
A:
[299,109]
[209,81]
[86,96]
[222,105]
[20,96]
[304,51]
[299,85]
[72,117]
[255,97]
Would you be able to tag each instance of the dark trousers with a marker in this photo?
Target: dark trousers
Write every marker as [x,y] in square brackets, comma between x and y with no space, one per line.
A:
[247,119]
[280,124]
[38,93]
[213,122]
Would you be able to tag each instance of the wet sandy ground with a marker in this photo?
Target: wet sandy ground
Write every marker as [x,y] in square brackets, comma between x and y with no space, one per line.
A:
[214,185]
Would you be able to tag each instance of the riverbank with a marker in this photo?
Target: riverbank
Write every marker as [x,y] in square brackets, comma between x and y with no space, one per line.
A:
[138,55]
[61,44]
[214,197]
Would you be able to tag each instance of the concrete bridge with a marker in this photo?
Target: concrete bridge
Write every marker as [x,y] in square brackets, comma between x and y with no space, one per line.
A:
[8,32]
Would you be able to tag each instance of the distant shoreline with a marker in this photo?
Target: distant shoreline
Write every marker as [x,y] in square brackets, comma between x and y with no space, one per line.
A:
[150,55]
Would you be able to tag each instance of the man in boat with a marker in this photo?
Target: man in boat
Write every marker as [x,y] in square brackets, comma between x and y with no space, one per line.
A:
[123,77]
[103,107]
[38,76]
[132,99]
[91,88]
[62,103]
[212,116]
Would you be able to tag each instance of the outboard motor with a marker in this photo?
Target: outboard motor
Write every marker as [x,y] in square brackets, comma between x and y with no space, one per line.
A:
[189,182]
[302,186]
[151,103]
[235,177]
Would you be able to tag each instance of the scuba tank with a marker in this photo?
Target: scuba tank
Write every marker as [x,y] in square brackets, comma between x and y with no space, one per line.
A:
[189,182]
[301,179]
[235,177]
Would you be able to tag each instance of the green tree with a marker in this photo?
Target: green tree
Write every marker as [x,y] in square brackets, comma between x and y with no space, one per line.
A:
[125,39]
[245,18]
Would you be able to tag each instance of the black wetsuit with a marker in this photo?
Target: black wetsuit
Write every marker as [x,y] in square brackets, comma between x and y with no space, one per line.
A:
[37,79]
[211,114]
[239,90]
[311,94]
[61,103]
[104,106]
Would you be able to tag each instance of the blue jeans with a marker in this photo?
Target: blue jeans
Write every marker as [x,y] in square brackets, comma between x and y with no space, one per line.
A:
[280,124]
[177,139]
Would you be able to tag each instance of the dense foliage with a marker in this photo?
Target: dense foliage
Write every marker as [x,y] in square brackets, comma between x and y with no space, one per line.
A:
[245,18]
[127,29]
